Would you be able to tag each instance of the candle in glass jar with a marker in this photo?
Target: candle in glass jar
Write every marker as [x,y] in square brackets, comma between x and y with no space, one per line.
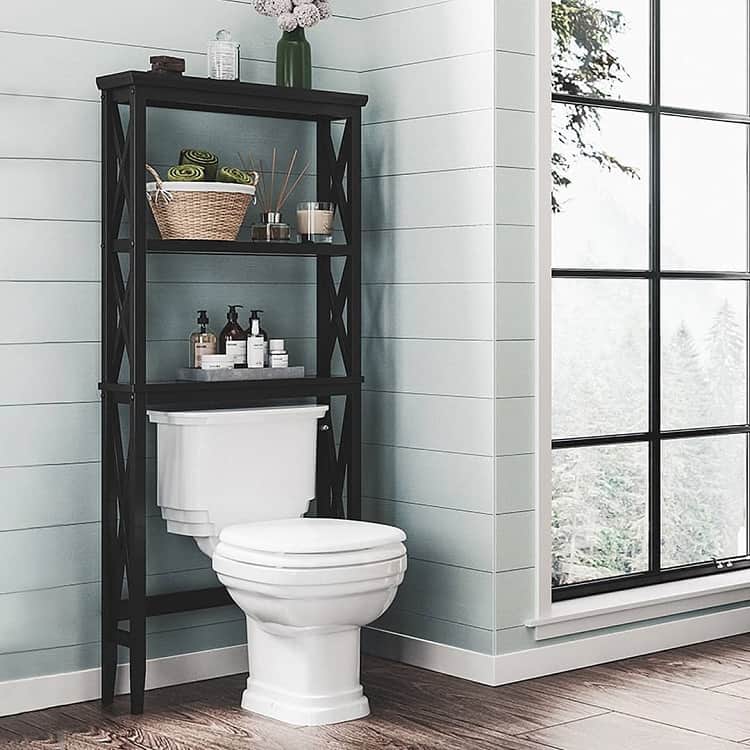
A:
[315,222]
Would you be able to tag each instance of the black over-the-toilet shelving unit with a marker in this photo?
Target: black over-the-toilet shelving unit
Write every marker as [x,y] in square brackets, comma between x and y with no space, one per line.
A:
[126,392]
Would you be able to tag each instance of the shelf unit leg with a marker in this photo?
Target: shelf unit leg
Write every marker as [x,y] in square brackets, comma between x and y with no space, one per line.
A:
[109,595]
[137,554]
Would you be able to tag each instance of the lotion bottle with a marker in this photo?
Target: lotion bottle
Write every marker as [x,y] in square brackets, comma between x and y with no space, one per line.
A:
[202,341]
[233,340]
[256,344]
[255,315]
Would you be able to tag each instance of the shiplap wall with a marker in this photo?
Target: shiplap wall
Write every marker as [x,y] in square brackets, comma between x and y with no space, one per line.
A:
[428,309]
[50,55]
[448,307]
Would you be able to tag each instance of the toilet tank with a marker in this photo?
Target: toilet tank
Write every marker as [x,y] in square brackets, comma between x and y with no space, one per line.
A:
[218,468]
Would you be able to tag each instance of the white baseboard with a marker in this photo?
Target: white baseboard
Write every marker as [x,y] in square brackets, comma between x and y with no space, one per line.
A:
[556,657]
[18,696]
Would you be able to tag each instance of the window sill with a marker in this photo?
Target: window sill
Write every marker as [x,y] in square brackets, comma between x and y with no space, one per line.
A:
[636,605]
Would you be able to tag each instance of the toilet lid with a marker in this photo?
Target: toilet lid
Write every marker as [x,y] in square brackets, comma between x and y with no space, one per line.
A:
[308,536]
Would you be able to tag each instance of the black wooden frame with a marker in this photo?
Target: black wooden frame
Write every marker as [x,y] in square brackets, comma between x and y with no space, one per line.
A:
[655,274]
[125,391]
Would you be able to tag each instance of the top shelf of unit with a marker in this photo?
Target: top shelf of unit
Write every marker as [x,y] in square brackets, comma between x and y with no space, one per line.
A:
[230,97]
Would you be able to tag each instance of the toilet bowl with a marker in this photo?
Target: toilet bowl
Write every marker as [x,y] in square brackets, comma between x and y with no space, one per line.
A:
[305,585]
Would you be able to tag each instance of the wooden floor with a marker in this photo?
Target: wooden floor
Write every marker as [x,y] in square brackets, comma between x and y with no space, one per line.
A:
[697,698]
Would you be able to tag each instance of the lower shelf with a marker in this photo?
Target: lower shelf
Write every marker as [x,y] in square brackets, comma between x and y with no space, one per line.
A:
[180,601]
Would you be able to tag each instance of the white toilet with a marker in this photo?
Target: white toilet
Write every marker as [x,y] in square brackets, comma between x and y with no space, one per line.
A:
[238,481]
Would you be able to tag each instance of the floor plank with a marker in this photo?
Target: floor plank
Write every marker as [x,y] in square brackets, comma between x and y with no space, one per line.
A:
[703,665]
[623,689]
[740,689]
[626,733]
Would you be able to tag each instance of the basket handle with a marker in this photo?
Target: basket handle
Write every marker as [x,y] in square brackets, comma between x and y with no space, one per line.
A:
[155,175]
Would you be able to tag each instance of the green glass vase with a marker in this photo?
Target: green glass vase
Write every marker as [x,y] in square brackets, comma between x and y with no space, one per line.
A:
[294,60]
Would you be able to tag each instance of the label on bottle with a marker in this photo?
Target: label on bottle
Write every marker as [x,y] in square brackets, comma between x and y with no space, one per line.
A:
[279,359]
[255,352]
[238,350]
[200,348]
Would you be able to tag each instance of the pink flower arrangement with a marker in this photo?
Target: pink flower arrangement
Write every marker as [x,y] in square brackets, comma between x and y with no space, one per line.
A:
[291,14]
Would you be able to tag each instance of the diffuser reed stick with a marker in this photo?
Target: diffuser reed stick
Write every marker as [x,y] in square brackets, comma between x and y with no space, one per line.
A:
[286,181]
[266,192]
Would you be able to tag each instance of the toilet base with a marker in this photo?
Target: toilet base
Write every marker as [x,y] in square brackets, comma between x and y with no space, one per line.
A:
[304,676]
[302,711]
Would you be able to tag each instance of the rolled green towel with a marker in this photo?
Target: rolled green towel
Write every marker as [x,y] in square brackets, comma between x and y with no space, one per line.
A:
[186,173]
[239,176]
[205,159]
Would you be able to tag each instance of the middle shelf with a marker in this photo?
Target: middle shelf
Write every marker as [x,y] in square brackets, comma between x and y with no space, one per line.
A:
[239,247]
[181,392]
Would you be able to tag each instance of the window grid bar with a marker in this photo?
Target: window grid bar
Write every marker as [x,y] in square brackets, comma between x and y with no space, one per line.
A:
[654,436]
[628,273]
[654,490]
[700,114]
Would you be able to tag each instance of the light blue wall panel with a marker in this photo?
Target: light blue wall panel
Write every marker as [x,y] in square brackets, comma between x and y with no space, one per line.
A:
[432,629]
[516,75]
[427,255]
[515,426]
[515,482]
[48,557]
[514,368]
[50,373]
[514,597]
[515,254]
[435,366]
[514,535]
[49,495]
[49,434]
[49,311]
[515,308]
[49,251]
[446,592]
[439,423]
[515,29]
[440,311]
[438,535]
[446,480]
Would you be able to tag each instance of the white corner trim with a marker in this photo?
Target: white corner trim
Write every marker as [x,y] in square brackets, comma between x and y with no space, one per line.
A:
[34,693]
[624,644]
[646,603]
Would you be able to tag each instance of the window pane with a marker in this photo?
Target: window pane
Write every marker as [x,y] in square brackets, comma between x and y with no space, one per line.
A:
[599,512]
[704,54]
[599,357]
[703,499]
[600,184]
[703,344]
[703,195]
[601,48]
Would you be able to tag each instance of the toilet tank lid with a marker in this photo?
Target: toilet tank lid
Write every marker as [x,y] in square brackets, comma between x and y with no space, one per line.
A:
[311,535]
[234,416]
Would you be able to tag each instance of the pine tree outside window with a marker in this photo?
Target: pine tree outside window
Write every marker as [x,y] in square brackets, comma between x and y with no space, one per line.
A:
[651,269]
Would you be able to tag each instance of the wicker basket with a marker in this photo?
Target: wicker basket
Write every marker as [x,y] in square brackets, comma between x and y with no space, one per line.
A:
[198,210]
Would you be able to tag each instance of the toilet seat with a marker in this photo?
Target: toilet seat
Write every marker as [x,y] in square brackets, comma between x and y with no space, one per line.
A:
[303,552]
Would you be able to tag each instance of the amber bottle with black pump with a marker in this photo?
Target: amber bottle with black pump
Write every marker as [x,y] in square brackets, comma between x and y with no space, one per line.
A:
[233,339]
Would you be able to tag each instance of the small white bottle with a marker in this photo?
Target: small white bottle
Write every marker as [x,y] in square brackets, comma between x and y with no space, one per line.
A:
[256,345]
[279,356]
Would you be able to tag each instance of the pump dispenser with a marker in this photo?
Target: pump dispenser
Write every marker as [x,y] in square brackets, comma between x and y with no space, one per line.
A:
[233,340]
[202,341]
[257,342]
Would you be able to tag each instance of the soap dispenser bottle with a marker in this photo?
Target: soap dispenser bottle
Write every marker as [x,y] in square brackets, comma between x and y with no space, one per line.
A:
[233,340]
[255,316]
[256,342]
[202,341]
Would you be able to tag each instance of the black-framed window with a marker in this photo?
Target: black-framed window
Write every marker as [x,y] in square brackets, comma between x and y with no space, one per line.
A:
[650,292]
